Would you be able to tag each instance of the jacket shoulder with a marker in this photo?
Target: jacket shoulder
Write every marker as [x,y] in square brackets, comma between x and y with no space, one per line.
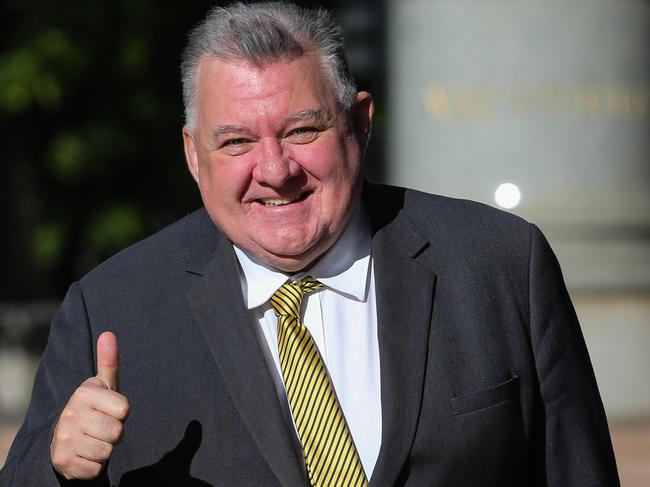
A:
[459,233]
[437,214]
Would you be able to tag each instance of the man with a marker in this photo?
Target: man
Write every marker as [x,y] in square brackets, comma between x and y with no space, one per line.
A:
[307,326]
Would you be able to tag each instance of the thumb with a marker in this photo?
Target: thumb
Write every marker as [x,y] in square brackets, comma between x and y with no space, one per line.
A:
[107,359]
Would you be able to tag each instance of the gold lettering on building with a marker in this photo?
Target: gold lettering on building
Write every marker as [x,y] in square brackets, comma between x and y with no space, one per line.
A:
[625,102]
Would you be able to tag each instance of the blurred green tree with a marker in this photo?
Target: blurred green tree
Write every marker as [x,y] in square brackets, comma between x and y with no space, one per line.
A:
[90,111]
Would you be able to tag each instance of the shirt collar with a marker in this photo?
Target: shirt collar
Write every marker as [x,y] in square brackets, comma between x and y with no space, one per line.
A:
[344,268]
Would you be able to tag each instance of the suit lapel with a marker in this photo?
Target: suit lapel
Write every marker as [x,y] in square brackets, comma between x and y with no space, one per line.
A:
[404,290]
[217,304]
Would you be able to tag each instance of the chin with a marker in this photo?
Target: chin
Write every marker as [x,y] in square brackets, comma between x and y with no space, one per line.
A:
[290,262]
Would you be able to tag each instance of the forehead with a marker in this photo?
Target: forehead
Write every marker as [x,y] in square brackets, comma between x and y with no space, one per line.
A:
[295,84]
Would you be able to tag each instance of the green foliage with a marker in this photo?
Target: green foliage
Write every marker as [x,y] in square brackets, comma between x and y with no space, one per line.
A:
[114,227]
[47,244]
[67,153]
[91,112]
[33,74]
[90,107]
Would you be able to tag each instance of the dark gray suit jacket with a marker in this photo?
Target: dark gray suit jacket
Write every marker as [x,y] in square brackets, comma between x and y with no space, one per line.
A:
[484,373]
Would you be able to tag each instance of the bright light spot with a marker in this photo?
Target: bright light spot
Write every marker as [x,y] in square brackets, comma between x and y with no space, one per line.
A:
[507,195]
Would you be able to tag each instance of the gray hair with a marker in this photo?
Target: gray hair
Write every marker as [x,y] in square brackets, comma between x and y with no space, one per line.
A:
[265,32]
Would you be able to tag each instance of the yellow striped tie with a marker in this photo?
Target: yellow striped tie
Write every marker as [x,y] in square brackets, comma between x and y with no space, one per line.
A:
[330,454]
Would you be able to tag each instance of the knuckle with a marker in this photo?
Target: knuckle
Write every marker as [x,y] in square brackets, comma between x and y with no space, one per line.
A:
[69,415]
[62,436]
[123,410]
[73,467]
[84,392]
[60,460]
[64,429]
[65,465]
[90,470]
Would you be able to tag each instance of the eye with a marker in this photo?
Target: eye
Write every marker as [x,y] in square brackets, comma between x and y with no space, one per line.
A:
[302,135]
[236,146]
[239,141]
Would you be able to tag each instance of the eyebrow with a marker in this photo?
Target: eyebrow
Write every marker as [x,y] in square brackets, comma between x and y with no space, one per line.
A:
[308,114]
[228,129]
[312,114]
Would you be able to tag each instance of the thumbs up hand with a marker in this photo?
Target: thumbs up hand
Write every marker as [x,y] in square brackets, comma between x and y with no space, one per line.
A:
[92,421]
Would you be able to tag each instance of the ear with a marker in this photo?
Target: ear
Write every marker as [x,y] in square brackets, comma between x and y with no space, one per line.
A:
[191,156]
[362,112]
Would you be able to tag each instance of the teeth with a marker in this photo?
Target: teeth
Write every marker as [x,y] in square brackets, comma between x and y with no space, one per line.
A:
[276,202]
[279,201]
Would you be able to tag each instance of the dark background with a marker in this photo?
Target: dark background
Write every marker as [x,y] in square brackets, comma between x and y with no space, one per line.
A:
[91,113]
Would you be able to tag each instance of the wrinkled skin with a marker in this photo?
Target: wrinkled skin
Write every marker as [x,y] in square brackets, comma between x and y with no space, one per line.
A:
[276,157]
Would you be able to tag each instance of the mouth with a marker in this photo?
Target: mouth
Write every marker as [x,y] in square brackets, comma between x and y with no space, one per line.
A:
[283,201]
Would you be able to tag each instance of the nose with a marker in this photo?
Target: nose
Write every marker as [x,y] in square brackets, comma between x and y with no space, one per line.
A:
[274,167]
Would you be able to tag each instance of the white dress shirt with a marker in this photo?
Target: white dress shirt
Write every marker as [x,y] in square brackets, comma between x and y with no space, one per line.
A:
[341,318]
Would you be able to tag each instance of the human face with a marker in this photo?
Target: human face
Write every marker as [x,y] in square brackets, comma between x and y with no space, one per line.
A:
[277,160]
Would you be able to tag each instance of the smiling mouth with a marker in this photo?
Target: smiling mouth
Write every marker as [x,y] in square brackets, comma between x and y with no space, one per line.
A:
[283,201]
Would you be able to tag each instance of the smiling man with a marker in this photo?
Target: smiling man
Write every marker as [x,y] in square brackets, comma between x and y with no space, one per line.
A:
[308,327]
[276,155]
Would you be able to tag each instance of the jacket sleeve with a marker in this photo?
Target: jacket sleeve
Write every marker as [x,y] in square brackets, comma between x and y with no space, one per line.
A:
[67,361]
[575,447]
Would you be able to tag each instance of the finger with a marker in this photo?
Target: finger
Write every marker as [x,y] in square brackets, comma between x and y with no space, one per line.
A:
[101,427]
[93,395]
[80,468]
[93,449]
[108,360]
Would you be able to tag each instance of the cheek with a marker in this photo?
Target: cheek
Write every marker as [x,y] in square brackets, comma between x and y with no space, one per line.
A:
[223,180]
[327,162]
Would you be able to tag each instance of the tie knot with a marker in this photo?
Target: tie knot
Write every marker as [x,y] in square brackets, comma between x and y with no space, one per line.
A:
[287,299]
